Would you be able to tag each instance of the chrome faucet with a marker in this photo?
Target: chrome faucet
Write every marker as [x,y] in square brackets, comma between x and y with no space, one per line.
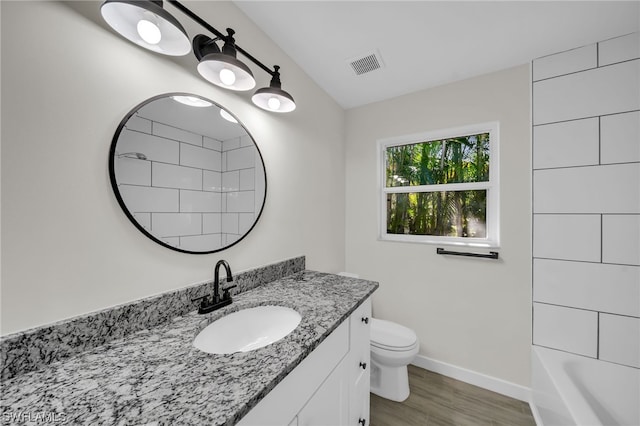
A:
[216,301]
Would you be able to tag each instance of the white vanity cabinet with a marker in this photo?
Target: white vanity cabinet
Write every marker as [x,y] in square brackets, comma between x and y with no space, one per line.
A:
[329,387]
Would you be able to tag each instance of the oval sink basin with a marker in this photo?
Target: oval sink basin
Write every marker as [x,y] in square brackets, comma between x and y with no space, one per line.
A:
[247,329]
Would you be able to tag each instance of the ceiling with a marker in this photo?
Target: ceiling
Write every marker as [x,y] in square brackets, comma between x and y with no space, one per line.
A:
[423,44]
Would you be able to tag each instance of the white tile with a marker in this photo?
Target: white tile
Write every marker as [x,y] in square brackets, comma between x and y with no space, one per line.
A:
[231,238]
[579,59]
[620,138]
[619,49]
[211,223]
[132,171]
[170,176]
[621,239]
[200,202]
[620,339]
[594,286]
[242,158]
[154,148]
[211,181]
[146,199]
[230,223]
[230,181]
[600,91]
[567,329]
[246,140]
[201,158]
[144,220]
[241,202]
[201,242]
[245,222]
[571,143]
[567,237]
[139,124]
[247,179]
[212,144]
[598,189]
[224,162]
[230,144]
[176,224]
[172,241]
[176,134]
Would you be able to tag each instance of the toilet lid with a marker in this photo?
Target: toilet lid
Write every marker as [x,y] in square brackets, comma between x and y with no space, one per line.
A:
[387,334]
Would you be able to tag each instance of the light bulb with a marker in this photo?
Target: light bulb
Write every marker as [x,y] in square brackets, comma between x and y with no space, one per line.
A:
[149,32]
[274,103]
[227,77]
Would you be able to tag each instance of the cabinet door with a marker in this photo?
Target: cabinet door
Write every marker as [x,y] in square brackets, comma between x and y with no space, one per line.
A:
[360,364]
[359,408]
[329,405]
[284,401]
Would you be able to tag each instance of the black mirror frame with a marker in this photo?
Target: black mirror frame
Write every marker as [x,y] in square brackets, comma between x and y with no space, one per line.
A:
[114,184]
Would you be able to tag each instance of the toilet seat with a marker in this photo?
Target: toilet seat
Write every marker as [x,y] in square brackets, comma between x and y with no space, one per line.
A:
[391,336]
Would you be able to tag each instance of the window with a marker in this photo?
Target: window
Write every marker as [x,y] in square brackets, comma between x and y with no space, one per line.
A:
[441,187]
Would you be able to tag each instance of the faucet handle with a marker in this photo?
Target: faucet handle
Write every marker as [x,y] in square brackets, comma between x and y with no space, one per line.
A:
[204,300]
[225,292]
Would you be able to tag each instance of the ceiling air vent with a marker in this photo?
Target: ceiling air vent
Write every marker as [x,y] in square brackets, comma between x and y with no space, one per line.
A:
[366,63]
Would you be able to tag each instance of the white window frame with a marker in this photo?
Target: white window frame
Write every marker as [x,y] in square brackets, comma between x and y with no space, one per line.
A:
[492,187]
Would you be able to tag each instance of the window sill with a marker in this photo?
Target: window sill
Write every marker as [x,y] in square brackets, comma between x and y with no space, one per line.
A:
[441,241]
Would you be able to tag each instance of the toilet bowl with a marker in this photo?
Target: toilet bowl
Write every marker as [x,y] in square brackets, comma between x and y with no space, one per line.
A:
[393,347]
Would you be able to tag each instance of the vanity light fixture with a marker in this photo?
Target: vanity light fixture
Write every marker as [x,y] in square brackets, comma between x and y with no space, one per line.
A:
[273,98]
[146,23]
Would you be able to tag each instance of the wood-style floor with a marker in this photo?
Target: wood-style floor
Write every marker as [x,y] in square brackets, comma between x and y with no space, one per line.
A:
[437,400]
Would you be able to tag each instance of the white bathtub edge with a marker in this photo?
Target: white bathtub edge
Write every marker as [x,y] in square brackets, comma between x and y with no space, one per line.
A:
[572,398]
[534,411]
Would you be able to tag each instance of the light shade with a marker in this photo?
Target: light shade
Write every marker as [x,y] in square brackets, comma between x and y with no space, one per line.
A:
[214,66]
[222,68]
[273,98]
[148,25]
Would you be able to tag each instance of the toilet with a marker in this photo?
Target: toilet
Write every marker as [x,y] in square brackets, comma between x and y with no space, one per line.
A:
[393,347]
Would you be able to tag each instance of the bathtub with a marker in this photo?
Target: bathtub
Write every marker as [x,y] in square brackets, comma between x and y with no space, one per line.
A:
[569,389]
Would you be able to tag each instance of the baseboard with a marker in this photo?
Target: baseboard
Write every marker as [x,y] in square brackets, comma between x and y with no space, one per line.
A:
[494,384]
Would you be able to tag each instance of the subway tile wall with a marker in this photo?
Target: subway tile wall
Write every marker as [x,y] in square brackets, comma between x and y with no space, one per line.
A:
[586,201]
[192,191]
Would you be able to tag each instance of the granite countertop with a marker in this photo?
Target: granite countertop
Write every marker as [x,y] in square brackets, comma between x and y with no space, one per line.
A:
[156,376]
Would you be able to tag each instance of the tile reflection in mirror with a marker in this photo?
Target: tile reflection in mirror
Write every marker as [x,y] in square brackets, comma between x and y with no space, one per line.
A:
[190,180]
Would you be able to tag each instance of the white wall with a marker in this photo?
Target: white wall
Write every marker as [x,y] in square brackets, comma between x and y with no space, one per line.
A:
[472,313]
[67,81]
[586,209]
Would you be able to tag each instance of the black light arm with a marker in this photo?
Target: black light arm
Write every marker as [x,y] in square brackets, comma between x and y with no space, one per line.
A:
[218,34]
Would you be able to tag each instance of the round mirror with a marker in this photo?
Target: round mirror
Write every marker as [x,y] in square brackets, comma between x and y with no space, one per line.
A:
[187,173]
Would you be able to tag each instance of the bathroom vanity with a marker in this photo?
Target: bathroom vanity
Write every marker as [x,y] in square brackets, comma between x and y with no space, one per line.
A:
[318,374]
[329,387]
